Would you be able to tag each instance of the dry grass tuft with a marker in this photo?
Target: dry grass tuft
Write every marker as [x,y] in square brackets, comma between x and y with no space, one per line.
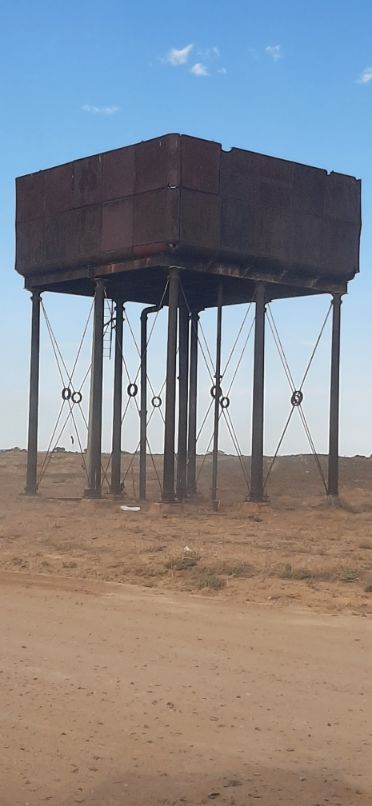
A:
[288,571]
[181,563]
[234,569]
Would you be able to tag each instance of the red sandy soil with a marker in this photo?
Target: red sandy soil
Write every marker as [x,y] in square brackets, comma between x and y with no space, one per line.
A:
[234,667]
[299,548]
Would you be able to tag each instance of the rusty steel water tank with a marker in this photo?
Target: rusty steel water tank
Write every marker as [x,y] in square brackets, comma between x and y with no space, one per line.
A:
[188,197]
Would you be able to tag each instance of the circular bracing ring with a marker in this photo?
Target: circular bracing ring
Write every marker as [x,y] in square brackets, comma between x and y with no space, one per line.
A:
[297,398]
[156,401]
[76,397]
[224,402]
[214,391]
[132,390]
[66,393]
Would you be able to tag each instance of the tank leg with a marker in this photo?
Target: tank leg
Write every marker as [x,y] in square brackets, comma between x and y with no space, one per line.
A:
[257,492]
[193,391]
[183,383]
[217,401]
[170,395]
[95,413]
[143,409]
[333,456]
[115,486]
[33,416]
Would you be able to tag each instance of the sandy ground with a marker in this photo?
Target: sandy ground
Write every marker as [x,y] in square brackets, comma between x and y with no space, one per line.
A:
[235,666]
[297,549]
[114,695]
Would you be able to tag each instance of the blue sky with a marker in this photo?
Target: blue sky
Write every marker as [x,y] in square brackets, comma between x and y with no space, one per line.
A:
[289,79]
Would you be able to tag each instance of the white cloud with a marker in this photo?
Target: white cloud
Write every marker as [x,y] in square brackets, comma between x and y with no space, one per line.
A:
[275,52]
[100,110]
[199,69]
[366,76]
[209,53]
[177,57]
[180,57]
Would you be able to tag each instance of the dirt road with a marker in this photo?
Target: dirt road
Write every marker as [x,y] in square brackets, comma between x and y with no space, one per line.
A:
[111,694]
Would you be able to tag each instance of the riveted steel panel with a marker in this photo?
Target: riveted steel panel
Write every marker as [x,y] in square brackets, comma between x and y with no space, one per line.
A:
[240,171]
[87,181]
[31,244]
[58,189]
[156,217]
[88,227]
[340,247]
[309,186]
[306,239]
[275,223]
[238,226]
[117,225]
[30,196]
[59,247]
[118,173]
[276,171]
[73,235]
[200,164]
[200,220]
[158,163]
[342,197]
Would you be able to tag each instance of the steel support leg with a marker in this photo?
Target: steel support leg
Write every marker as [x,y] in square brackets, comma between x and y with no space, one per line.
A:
[33,415]
[217,400]
[257,491]
[193,391]
[115,486]
[334,398]
[170,395]
[95,414]
[183,388]
[143,410]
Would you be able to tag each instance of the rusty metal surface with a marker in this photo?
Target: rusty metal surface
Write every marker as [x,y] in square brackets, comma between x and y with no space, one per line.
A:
[58,185]
[238,225]
[200,220]
[87,181]
[73,235]
[189,196]
[200,165]
[309,185]
[30,192]
[117,225]
[118,173]
[156,217]
[158,163]
[30,246]
[239,174]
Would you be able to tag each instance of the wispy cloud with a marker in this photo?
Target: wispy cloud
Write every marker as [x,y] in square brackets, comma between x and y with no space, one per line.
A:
[176,57]
[209,53]
[366,76]
[199,69]
[100,110]
[207,64]
[275,52]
